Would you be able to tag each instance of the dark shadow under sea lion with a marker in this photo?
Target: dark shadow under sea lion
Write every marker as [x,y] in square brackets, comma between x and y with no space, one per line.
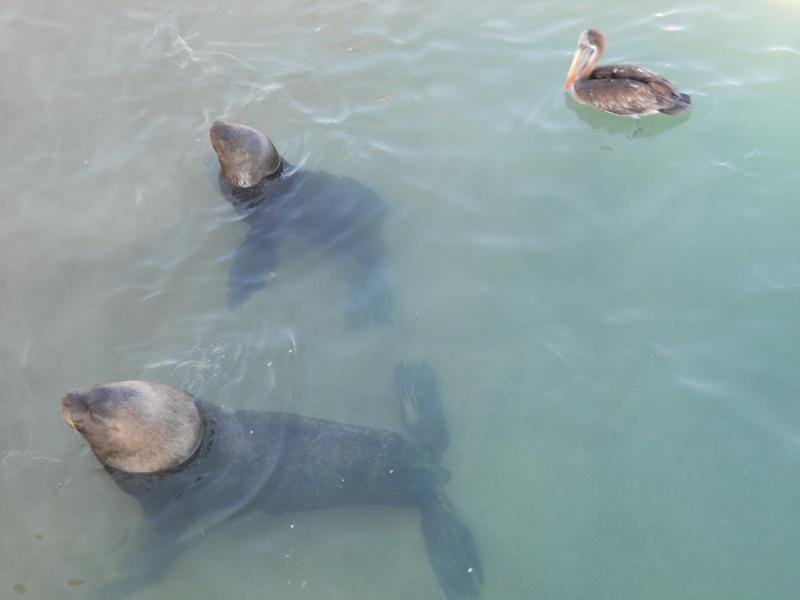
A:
[278,200]
[191,464]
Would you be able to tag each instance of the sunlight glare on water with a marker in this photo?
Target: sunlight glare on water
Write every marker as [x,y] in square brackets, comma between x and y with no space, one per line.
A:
[611,318]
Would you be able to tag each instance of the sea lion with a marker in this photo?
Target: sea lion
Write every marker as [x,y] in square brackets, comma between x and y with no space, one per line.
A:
[189,463]
[277,200]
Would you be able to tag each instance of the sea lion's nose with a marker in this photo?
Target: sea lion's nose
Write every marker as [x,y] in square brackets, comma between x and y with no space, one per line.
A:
[219,130]
[72,398]
[66,409]
[72,405]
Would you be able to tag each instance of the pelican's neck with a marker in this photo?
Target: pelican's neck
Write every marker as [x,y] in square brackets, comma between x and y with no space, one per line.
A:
[591,63]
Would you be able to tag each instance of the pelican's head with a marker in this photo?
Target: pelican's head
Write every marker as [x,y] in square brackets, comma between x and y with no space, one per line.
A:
[591,45]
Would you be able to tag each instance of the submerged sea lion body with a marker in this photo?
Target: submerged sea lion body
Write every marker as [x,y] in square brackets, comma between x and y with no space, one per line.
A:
[278,200]
[282,462]
[274,462]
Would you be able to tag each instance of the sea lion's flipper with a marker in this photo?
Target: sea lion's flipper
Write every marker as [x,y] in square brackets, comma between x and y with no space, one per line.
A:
[147,565]
[253,267]
[370,296]
[417,388]
[370,300]
[451,549]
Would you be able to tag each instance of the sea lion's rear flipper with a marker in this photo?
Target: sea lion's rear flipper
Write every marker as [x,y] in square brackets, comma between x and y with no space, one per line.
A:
[254,265]
[370,297]
[370,300]
[451,549]
[143,567]
[417,388]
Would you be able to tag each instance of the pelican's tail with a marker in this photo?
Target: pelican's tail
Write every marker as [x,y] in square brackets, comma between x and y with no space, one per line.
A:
[680,104]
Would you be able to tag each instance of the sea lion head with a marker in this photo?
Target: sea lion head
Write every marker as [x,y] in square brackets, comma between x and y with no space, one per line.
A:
[245,155]
[135,426]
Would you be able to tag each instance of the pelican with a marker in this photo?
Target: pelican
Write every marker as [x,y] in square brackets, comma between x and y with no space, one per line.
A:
[628,90]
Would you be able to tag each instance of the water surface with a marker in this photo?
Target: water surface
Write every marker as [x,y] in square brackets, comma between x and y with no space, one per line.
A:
[613,319]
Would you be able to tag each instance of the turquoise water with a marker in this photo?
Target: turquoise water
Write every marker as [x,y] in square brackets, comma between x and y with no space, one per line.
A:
[612,319]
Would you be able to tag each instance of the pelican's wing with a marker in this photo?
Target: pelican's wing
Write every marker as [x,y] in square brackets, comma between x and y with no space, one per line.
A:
[659,84]
[630,90]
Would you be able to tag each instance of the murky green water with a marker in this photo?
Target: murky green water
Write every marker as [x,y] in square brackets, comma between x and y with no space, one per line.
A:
[613,320]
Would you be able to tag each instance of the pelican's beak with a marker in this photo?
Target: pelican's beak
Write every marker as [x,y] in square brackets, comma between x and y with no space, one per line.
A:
[582,57]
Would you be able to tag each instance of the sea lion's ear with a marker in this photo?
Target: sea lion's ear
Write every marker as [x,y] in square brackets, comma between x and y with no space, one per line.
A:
[246,156]
[136,426]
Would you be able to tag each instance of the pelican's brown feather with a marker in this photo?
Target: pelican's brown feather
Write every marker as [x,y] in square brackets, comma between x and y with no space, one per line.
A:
[629,96]
[626,97]
[625,72]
